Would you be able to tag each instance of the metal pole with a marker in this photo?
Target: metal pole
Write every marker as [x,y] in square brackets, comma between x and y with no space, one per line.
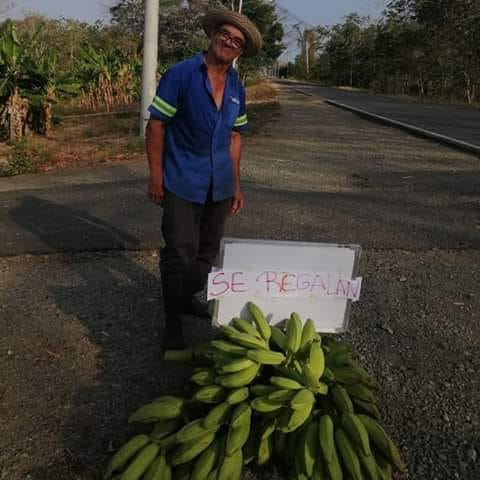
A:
[307,50]
[240,6]
[150,58]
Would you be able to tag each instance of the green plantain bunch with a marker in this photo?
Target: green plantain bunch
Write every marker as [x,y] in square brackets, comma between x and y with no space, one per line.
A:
[264,394]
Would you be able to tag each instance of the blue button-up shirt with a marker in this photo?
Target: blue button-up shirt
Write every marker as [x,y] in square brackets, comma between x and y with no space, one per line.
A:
[197,138]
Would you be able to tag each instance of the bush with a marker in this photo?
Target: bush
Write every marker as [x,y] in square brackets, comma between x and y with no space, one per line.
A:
[26,156]
[263,91]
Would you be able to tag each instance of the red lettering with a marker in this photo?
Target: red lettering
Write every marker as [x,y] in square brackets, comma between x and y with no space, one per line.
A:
[216,281]
[303,284]
[341,290]
[270,279]
[353,289]
[236,283]
[318,282]
[285,284]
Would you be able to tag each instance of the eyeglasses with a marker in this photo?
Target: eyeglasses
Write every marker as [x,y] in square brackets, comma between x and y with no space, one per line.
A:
[236,42]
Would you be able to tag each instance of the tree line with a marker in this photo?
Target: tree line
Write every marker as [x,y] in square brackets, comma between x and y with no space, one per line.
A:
[44,61]
[424,48]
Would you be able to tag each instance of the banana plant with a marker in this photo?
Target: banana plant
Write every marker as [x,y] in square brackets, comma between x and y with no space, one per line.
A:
[47,86]
[107,77]
[17,81]
[13,79]
[96,70]
[10,52]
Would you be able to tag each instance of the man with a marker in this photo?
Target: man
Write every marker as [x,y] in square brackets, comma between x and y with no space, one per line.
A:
[194,148]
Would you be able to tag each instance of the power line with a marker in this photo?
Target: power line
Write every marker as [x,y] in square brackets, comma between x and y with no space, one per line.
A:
[294,19]
[291,22]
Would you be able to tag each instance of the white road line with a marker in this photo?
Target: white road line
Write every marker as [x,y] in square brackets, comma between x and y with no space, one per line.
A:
[406,126]
[304,92]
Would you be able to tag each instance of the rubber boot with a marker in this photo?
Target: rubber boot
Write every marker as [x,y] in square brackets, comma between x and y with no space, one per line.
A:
[174,301]
[195,282]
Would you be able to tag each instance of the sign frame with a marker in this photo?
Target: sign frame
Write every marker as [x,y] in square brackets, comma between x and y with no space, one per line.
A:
[357,251]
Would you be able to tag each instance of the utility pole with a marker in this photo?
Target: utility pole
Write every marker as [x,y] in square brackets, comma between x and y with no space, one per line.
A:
[150,59]
[240,6]
[307,55]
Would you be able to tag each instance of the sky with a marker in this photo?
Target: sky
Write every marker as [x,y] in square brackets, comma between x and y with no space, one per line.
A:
[314,12]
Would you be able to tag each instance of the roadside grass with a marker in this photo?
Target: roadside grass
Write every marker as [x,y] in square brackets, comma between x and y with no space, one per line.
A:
[27,155]
[262,105]
[122,124]
[76,141]
[86,140]
[263,91]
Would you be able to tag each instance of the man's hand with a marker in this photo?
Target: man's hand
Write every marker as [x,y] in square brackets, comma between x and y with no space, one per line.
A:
[155,191]
[237,202]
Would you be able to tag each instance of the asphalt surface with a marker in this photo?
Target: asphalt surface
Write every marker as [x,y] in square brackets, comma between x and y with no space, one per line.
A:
[117,216]
[455,121]
[109,211]
[404,198]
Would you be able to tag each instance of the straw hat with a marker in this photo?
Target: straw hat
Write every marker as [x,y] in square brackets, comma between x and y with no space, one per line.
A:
[214,19]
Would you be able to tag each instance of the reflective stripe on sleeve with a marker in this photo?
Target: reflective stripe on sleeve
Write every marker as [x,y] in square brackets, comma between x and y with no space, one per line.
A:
[241,121]
[164,107]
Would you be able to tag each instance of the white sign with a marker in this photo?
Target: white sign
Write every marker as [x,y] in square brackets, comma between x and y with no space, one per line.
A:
[269,284]
[316,280]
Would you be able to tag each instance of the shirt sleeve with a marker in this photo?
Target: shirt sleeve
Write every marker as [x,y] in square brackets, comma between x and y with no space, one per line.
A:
[166,101]
[241,123]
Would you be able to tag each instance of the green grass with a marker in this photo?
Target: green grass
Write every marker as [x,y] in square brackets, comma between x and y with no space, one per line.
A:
[123,124]
[26,156]
[135,144]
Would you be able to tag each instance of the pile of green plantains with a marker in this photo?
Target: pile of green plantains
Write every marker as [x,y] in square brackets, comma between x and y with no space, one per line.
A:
[267,395]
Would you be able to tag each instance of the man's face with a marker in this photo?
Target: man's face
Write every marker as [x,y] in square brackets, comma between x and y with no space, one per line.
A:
[228,43]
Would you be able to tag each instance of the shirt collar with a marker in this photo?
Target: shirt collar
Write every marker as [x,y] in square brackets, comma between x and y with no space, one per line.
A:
[200,60]
[200,63]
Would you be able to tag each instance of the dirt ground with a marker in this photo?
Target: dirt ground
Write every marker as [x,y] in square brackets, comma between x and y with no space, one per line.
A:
[80,331]
[88,139]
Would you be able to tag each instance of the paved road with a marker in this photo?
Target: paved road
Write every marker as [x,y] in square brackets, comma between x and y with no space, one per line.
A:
[95,216]
[455,121]
[341,179]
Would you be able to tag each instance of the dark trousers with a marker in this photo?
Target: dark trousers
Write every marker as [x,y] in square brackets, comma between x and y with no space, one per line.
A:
[192,234]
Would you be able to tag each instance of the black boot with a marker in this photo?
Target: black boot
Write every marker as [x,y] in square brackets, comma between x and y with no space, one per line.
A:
[197,308]
[195,282]
[173,301]
[173,335]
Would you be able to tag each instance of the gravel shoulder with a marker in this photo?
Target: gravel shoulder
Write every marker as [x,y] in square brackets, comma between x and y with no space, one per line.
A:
[80,331]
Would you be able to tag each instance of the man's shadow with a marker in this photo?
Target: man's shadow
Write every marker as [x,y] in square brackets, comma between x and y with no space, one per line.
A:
[116,297]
